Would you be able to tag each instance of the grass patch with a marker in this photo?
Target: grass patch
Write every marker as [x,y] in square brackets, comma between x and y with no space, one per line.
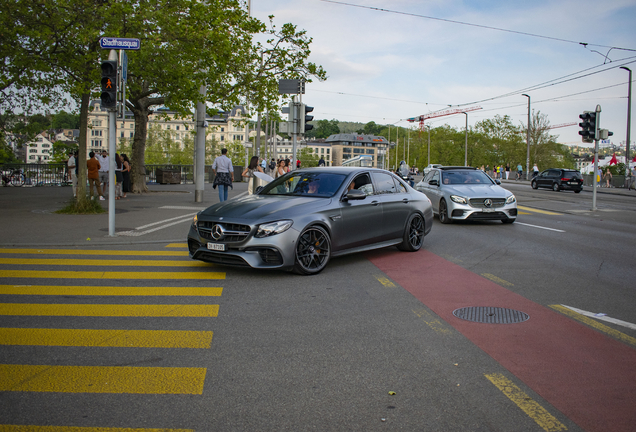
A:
[86,206]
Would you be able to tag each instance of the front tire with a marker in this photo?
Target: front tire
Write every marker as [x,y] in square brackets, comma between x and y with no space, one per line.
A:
[413,234]
[534,185]
[17,181]
[555,187]
[313,250]
[443,213]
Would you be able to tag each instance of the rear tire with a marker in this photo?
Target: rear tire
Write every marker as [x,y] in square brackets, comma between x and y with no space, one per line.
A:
[577,191]
[534,185]
[555,187]
[413,234]
[443,213]
[313,250]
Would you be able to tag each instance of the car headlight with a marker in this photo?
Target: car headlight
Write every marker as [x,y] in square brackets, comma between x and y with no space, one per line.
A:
[273,228]
[195,219]
[511,199]
[458,199]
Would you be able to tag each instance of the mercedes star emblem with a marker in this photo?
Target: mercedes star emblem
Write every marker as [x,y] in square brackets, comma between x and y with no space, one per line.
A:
[217,232]
[488,202]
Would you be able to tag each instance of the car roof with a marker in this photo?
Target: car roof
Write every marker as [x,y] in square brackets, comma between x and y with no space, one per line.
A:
[457,168]
[340,169]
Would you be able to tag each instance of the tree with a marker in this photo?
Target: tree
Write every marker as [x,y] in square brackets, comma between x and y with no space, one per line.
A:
[308,158]
[323,129]
[64,120]
[59,152]
[370,129]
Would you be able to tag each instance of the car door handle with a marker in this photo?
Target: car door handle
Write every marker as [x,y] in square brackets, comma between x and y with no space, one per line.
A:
[375,203]
[405,200]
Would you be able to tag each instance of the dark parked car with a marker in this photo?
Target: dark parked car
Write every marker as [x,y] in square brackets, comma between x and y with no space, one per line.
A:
[302,219]
[559,179]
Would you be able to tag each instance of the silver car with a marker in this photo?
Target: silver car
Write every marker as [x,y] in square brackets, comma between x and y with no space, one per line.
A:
[302,219]
[466,193]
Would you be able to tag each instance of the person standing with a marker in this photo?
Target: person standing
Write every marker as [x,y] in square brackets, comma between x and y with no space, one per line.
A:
[321,162]
[103,170]
[519,171]
[93,175]
[119,178]
[126,174]
[72,164]
[632,184]
[223,174]
[508,171]
[608,178]
[535,170]
[249,173]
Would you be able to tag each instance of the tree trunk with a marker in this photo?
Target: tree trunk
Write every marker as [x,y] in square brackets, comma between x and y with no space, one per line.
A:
[138,173]
[82,173]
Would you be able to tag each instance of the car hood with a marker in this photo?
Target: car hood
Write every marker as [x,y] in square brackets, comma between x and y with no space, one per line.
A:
[477,191]
[262,208]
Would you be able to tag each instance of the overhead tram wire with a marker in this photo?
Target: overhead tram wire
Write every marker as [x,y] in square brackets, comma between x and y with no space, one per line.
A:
[585,44]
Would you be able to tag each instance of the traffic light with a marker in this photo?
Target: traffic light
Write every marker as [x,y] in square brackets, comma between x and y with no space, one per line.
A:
[589,128]
[304,118]
[109,84]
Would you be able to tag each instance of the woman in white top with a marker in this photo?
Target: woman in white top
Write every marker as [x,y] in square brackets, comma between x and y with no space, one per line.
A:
[249,172]
[280,169]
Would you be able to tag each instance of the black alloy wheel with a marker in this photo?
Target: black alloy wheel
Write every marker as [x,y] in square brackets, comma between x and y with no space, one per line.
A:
[443,213]
[413,234]
[534,185]
[313,251]
[555,187]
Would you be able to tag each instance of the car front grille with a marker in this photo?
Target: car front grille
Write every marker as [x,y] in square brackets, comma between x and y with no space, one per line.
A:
[487,216]
[231,232]
[481,202]
[222,258]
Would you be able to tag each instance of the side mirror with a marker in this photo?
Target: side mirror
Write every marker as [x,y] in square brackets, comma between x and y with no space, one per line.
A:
[433,182]
[498,181]
[258,190]
[355,194]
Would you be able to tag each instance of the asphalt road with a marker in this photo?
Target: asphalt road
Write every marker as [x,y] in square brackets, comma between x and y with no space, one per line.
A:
[369,344]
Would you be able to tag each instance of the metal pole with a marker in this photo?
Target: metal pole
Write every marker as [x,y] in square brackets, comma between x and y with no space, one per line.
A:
[428,160]
[595,182]
[528,141]
[112,148]
[397,147]
[408,144]
[466,142]
[199,162]
[629,123]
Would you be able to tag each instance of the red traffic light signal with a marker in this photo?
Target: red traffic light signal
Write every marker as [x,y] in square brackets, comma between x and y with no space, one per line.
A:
[109,84]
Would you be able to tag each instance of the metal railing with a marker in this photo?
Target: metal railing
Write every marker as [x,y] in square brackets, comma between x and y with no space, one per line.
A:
[39,174]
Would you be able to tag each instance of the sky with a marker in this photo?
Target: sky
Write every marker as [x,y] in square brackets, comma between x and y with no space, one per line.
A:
[389,60]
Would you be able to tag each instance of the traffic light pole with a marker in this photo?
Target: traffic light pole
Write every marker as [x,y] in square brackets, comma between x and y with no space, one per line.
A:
[595,183]
[112,149]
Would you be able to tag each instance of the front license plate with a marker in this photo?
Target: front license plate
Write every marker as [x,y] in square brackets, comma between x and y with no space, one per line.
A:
[216,246]
[489,210]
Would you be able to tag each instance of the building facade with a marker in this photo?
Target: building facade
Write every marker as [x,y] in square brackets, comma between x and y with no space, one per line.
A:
[347,146]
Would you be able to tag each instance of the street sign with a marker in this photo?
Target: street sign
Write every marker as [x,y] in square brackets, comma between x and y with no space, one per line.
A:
[291,86]
[119,43]
[124,67]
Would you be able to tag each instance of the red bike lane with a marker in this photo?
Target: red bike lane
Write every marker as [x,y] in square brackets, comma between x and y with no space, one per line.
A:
[588,376]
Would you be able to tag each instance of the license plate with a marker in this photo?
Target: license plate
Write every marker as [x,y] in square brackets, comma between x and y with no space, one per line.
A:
[488,210]
[216,246]
[574,183]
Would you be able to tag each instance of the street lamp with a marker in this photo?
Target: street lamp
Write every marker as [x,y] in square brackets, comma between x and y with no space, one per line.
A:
[629,122]
[528,141]
[466,142]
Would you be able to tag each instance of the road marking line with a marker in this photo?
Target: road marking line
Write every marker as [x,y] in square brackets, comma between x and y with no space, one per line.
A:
[537,226]
[109,275]
[536,412]
[384,281]
[523,213]
[102,379]
[106,338]
[603,318]
[538,211]
[496,279]
[109,290]
[103,262]
[108,310]
[566,310]
[183,208]
[432,322]
[134,233]
[166,220]
[92,252]
[177,245]
[34,428]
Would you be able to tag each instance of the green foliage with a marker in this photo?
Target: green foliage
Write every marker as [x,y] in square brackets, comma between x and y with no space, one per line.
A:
[64,120]
[85,206]
[323,129]
[6,154]
[59,152]
[308,158]
[370,129]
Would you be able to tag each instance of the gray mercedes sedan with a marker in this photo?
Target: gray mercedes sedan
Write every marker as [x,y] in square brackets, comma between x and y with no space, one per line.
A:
[467,193]
[302,219]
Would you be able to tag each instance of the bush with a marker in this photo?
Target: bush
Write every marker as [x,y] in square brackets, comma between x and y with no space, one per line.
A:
[86,206]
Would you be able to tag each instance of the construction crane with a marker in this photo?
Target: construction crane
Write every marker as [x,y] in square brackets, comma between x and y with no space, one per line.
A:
[562,125]
[443,113]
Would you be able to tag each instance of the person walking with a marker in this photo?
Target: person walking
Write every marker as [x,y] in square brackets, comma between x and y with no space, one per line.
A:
[223,174]
[249,173]
[93,175]
[507,171]
[632,184]
[103,170]
[72,164]
[608,178]
[535,170]
[519,171]
[126,174]
[321,162]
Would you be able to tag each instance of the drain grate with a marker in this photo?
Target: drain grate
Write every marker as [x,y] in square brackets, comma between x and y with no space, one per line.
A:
[491,315]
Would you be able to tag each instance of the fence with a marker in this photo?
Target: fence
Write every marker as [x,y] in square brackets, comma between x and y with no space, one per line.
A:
[185,172]
[39,174]
[617,181]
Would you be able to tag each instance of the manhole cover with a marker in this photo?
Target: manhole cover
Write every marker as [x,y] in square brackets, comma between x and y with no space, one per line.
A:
[491,315]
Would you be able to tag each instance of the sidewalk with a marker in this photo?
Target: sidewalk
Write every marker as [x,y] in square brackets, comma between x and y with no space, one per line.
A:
[28,218]
[613,191]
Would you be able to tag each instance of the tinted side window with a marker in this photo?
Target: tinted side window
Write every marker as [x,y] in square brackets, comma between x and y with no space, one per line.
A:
[436,176]
[384,183]
[400,186]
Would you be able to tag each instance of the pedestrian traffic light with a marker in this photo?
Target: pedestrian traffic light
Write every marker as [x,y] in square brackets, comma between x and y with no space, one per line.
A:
[304,118]
[589,128]
[109,84]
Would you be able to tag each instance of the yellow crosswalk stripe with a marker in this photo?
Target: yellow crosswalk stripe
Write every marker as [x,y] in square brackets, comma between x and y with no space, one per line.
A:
[108,310]
[177,245]
[106,338]
[109,275]
[34,428]
[91,252]
[102,379]
[533,210]
[103,262]
[109,291]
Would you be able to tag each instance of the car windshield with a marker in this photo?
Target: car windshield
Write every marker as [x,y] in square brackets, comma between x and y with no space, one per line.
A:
[465,177]
[315,184]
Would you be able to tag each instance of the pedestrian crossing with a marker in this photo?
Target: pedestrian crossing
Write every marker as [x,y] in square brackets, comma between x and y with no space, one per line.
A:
[120,290]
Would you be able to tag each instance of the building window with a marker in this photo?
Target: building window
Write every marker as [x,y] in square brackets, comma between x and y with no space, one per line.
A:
[45,146]
[327,151]
[32,157]
[322,151]
[346,150]
[222,138]
[122,134]
[370,151]
[33,151]
[358,151]
[177,127]
[222,129]
[132,134]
